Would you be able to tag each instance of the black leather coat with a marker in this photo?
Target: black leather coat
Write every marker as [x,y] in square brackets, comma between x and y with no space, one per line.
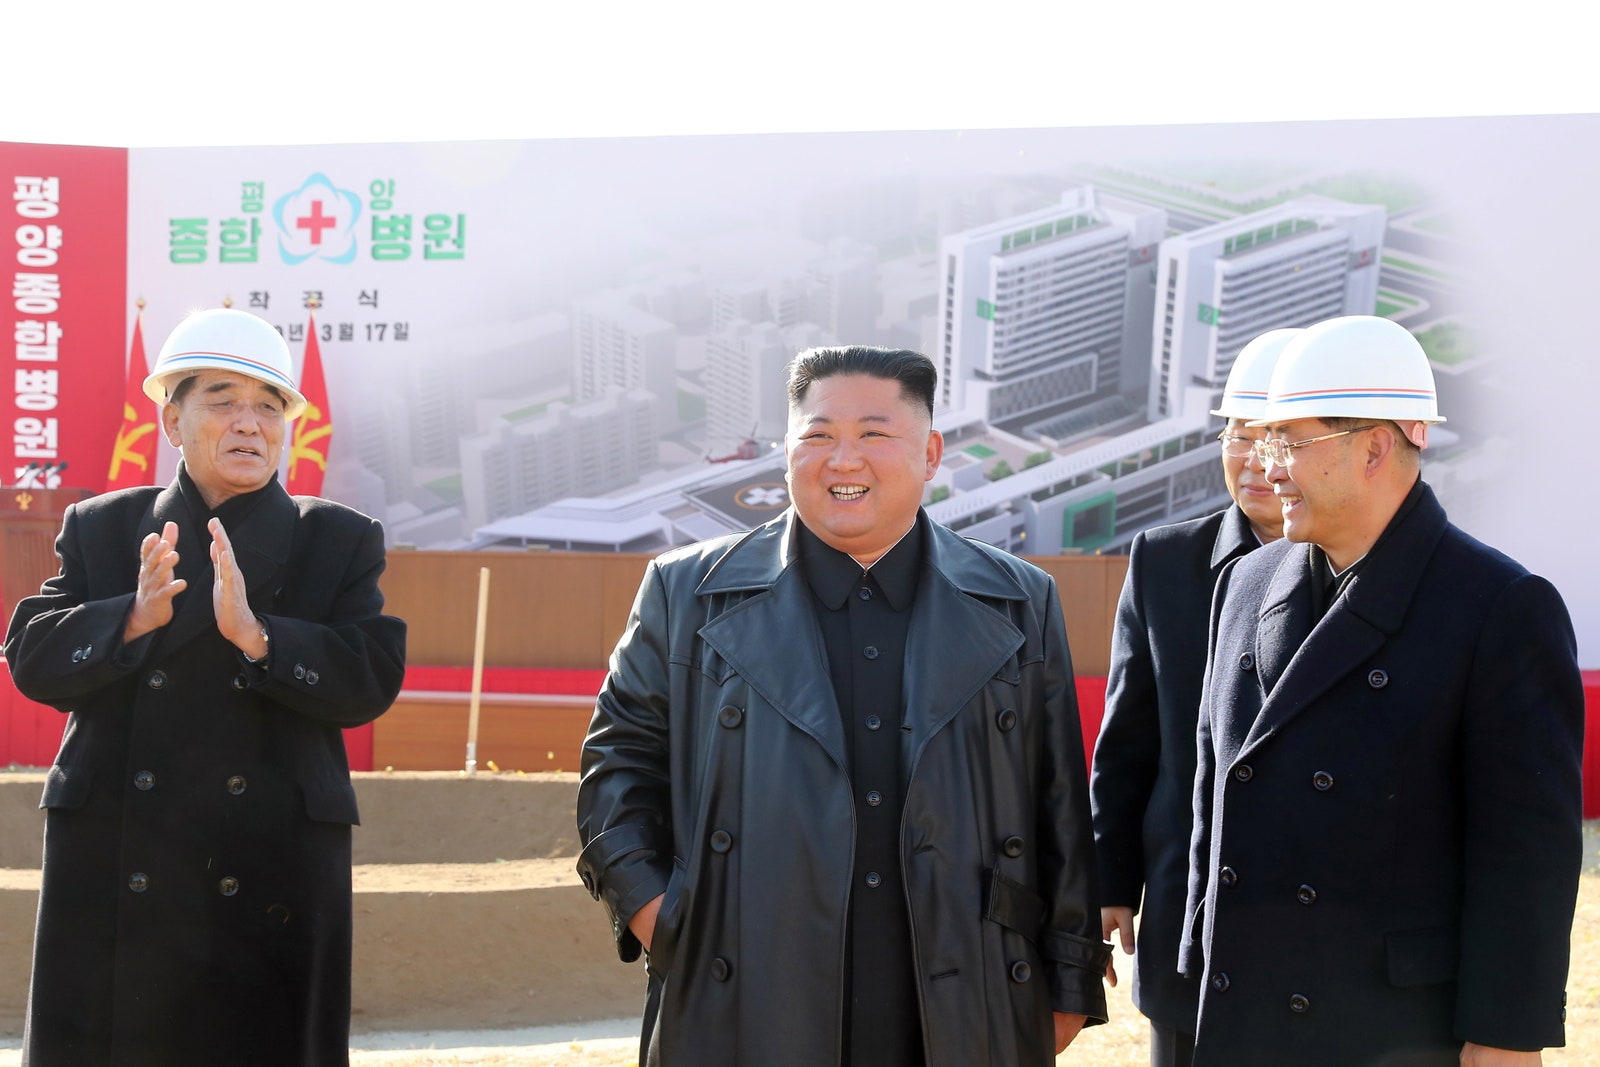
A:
[714,772]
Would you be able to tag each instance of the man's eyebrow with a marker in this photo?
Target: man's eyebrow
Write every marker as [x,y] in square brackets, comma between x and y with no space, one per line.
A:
[220,386]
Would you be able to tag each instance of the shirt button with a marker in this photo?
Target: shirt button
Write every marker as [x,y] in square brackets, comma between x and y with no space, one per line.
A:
[239,683]
[864,593]
[873,879]
[1306,895]
[156,680]
[1006,720]
[1322,781]
[871,652]
[236,784]
[1299,1004]
[228,886]
[1244,772]
[873,722]
[730,717]
[1228,876]
[144,781]
[721,841]
[1219,982]
[874,798]
[138,881]
[1012,846]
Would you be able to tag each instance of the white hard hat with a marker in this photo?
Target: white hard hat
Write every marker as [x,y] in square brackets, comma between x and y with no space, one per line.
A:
[1245,395]
[1357,366]
[225,339]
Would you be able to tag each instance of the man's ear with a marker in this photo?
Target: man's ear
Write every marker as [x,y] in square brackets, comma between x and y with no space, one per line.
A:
[169,424]
[935,454]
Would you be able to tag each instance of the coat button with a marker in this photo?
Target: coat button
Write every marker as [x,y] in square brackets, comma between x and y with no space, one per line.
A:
[1006,720]
[1306,895]
[730,717]
[1378,678]
[77,654]
[1247,662]
[236,784]
[144,781]
[1228,876]
[88,650]
[1299,1004]
[228,886]
[138,881]
[311,677]
[1021,972]
[1322,781]
[873,879]
[721,969]
[874,798]
[864,593]
[721,841]
[156,680]
[871,652]
[239,683]
[874,723]
[299,671]
[1244,772]
[1012,846]
[1219,982]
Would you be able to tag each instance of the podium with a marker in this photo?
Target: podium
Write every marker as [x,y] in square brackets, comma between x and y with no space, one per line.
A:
[29,520]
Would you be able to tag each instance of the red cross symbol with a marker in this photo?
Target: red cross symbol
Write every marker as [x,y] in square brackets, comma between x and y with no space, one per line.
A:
[316,222]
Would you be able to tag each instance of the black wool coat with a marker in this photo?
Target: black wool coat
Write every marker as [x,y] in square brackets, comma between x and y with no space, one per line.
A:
[1142,787]
[714,772]
[1388,807]
[196,902]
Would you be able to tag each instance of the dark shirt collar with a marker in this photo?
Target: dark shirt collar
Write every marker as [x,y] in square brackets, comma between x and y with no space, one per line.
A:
[232,511]
[832,574]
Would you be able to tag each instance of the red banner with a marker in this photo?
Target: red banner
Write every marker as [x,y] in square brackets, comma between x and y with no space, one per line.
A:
[64,276]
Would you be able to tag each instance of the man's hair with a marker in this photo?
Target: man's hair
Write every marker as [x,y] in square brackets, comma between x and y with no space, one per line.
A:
[914,371]
[1409,453]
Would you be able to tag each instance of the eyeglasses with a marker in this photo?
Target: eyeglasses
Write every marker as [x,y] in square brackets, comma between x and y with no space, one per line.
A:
[1236,447]
[1276,450]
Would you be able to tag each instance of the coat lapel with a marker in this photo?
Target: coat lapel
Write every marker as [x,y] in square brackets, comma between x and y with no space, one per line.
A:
[772,640]
[956,642]
[1354,628]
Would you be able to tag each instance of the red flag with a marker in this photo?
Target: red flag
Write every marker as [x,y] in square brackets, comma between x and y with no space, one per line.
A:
[313,430]
[133,455]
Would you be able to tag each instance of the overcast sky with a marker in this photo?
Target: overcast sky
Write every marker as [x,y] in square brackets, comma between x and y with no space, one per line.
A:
[198,72]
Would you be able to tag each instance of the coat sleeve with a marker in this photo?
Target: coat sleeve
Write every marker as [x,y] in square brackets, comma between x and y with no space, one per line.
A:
[1070,943]
[346,668]
[1191,961]
[1127,754]
[624,797]
[1522,752]
[63,647]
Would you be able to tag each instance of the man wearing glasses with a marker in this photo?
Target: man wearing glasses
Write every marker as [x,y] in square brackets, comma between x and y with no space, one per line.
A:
[1143,782]
[1387,804]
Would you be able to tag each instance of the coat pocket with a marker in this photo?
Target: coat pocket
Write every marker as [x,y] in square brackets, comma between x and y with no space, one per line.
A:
[333,802]
[1422,957]
[664,938]
[1012,905]
[66,788]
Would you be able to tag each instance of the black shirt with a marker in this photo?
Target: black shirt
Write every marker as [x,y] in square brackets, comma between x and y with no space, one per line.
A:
[865,617]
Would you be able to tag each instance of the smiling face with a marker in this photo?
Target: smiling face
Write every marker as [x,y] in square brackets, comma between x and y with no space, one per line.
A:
[1324,496]
[859,455]
[230,429]
[1248,485]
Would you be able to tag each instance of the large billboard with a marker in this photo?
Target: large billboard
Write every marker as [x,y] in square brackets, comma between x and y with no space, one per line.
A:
[580,343]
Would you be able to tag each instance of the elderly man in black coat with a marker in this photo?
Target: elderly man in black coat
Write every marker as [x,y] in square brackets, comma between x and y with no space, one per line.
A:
[1387,837]
[1142,788]
[835,784]
[196,902]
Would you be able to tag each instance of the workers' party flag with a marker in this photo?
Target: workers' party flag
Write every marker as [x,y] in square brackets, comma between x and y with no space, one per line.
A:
[133,456]
[313,430]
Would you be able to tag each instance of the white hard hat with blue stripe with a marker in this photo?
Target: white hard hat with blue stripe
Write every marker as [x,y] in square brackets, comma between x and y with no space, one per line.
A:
[1355,366]
[1245,395]
[225,339]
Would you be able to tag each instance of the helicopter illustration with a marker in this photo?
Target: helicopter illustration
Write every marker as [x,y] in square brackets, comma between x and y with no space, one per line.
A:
[750,448]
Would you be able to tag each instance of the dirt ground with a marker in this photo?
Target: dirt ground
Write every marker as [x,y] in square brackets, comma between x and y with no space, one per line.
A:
[1123,1042]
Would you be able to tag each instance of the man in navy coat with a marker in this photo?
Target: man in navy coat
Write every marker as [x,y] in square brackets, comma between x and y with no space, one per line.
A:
[1143,783]
[1387,838]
